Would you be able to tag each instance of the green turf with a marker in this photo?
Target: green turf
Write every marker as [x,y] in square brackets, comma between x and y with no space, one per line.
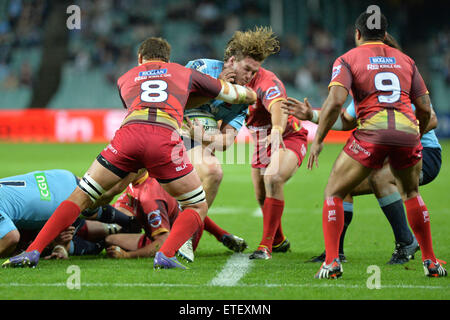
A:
[285,277]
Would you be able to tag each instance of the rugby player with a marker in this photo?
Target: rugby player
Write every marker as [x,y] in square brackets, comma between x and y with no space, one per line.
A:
[27,201]
[383,82]
[381,182]
[280,141]
[156,211]
[155,94]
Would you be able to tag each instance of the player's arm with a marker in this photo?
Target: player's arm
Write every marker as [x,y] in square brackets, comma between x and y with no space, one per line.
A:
[207,86]
[331,110]
[223,139]
[304,111]
[144,252]
[423,112]
[433,123]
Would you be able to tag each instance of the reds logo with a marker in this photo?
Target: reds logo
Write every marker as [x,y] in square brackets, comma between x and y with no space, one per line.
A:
[154,218]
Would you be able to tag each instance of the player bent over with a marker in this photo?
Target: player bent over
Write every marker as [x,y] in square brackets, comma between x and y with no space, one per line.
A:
[388,129]
[28,200]
[155,94]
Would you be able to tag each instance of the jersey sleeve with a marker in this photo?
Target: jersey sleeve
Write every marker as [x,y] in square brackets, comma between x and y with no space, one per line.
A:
[341,74]
[204,85]
[126,201]
[271,90]
[418,87]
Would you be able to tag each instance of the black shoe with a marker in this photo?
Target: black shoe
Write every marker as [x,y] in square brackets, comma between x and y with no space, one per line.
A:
[403,253]
[321,258]
[262,254]
[284,246]
[234,243]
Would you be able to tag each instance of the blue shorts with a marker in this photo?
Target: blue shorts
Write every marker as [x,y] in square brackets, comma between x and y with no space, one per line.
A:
[431,165]
[6,224]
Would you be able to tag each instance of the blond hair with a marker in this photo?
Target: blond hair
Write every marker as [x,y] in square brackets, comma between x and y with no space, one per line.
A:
[258,44]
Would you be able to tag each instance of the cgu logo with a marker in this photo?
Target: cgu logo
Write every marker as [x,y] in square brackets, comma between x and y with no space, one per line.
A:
[43,186]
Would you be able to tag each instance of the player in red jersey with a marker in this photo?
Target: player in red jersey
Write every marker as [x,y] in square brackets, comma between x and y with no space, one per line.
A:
[280,141]
[155,93]
[155,210]
[383,82]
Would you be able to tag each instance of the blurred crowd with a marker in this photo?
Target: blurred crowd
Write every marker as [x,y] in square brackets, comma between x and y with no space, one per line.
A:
[112,29]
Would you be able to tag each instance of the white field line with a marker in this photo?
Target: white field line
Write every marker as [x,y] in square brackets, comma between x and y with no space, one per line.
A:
[237,285]
[233,271]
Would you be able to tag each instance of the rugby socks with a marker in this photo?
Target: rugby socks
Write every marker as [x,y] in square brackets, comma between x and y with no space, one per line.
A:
[66,213]
[279,236]
[348,216]
[109,214]
[392,206]
[272,212]
[185,225]
[419,220]
[332,224]
[214,229]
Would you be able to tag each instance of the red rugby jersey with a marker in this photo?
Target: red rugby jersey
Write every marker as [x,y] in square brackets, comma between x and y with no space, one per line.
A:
[383,81]
[154,208]
[157,92]
[269,89]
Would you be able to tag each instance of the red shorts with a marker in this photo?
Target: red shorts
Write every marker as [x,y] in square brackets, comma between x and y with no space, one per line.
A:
[158,149]
[296,142]
[373,155]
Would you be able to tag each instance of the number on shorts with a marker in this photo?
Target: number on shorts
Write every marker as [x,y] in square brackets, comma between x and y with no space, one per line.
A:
[393,86]
[154,91]
[13,183]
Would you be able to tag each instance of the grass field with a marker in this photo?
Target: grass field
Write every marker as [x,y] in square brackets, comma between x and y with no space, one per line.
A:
[218,273]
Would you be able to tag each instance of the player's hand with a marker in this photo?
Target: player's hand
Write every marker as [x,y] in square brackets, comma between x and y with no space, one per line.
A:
[65,236]
[227,75]
[116,252]
[275,140]
[314,152]
[195,129]
[58,253]
[300,110]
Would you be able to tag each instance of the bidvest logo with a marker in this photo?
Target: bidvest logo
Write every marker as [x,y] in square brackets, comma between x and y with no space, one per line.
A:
[42,184]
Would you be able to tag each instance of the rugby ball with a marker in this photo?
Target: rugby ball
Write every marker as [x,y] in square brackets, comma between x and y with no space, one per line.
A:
[203,117]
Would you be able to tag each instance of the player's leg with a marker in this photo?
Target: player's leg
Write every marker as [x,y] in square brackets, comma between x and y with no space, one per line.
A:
[283,165]
[383,184]
[209,170]
[418,216]
[8,243]
[189,192]
[346,174]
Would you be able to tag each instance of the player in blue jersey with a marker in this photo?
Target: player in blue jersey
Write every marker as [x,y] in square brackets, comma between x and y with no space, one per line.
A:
[202,143]
[381,182]
[27,201]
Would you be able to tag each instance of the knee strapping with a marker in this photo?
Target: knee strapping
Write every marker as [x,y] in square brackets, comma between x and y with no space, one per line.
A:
[196,196]
[91,187]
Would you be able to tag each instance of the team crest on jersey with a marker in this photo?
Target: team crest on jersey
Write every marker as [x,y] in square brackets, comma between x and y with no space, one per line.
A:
[336,71]
[272,93]
[154,218]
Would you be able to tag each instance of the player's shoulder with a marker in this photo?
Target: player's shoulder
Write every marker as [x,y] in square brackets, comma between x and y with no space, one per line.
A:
[265,76]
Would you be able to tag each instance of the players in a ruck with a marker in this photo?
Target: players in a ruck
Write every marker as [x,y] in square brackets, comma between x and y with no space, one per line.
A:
[156,93]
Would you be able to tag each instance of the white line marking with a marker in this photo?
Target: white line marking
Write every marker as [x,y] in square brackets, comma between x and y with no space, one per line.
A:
[257,213]
[240,285]
[235,268]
